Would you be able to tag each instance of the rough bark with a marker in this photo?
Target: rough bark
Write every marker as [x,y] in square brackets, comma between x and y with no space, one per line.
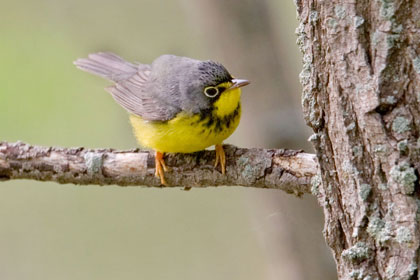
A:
[288,170]
[361,96]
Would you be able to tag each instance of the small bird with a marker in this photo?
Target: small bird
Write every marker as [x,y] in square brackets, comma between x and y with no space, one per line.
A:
[176,104]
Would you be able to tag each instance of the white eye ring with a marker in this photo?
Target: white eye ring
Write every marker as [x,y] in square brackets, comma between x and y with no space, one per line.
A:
[211,92]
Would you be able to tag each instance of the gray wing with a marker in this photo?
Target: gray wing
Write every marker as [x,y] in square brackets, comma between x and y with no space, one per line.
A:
[133,97]
[129,90]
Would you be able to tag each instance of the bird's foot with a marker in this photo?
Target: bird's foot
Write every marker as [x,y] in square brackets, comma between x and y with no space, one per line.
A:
[160,167]
[220,158]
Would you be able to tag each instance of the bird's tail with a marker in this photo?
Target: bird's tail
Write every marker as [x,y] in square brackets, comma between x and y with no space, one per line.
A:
[107,65]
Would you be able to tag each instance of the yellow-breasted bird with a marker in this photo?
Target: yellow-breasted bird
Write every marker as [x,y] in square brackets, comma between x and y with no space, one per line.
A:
[176,104]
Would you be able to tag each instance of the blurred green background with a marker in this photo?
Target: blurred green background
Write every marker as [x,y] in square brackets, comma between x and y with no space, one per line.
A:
[51,231]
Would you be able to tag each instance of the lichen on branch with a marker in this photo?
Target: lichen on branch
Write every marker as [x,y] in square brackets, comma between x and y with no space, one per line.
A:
[288,170]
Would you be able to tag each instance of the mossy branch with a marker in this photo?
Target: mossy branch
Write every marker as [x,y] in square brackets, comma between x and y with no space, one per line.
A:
[288,170]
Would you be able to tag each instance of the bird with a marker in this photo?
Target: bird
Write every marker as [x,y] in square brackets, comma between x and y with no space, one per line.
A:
[176,104]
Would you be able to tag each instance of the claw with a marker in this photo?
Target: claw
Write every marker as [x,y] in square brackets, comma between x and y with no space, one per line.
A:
[160,167]
[220,158]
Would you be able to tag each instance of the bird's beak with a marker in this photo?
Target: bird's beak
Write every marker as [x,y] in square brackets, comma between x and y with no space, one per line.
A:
[237,83]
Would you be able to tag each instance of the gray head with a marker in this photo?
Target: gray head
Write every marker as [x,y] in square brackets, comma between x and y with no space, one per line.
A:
[187,83]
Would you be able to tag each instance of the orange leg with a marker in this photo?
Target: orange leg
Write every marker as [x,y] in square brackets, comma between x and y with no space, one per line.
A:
[160,167]
[220,158]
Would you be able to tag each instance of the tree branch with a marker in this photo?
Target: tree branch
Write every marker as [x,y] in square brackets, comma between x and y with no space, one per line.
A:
[288,170]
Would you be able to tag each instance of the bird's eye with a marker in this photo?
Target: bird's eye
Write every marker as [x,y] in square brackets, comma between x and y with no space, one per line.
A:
[211,92]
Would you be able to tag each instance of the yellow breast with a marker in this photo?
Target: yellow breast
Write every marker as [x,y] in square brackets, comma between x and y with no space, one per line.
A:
[190,133]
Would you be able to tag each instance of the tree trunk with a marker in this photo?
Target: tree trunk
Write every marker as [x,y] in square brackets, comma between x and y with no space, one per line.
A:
[361,96]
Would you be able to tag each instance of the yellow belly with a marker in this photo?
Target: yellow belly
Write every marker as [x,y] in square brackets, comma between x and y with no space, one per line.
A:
[183,134]
[191,133]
